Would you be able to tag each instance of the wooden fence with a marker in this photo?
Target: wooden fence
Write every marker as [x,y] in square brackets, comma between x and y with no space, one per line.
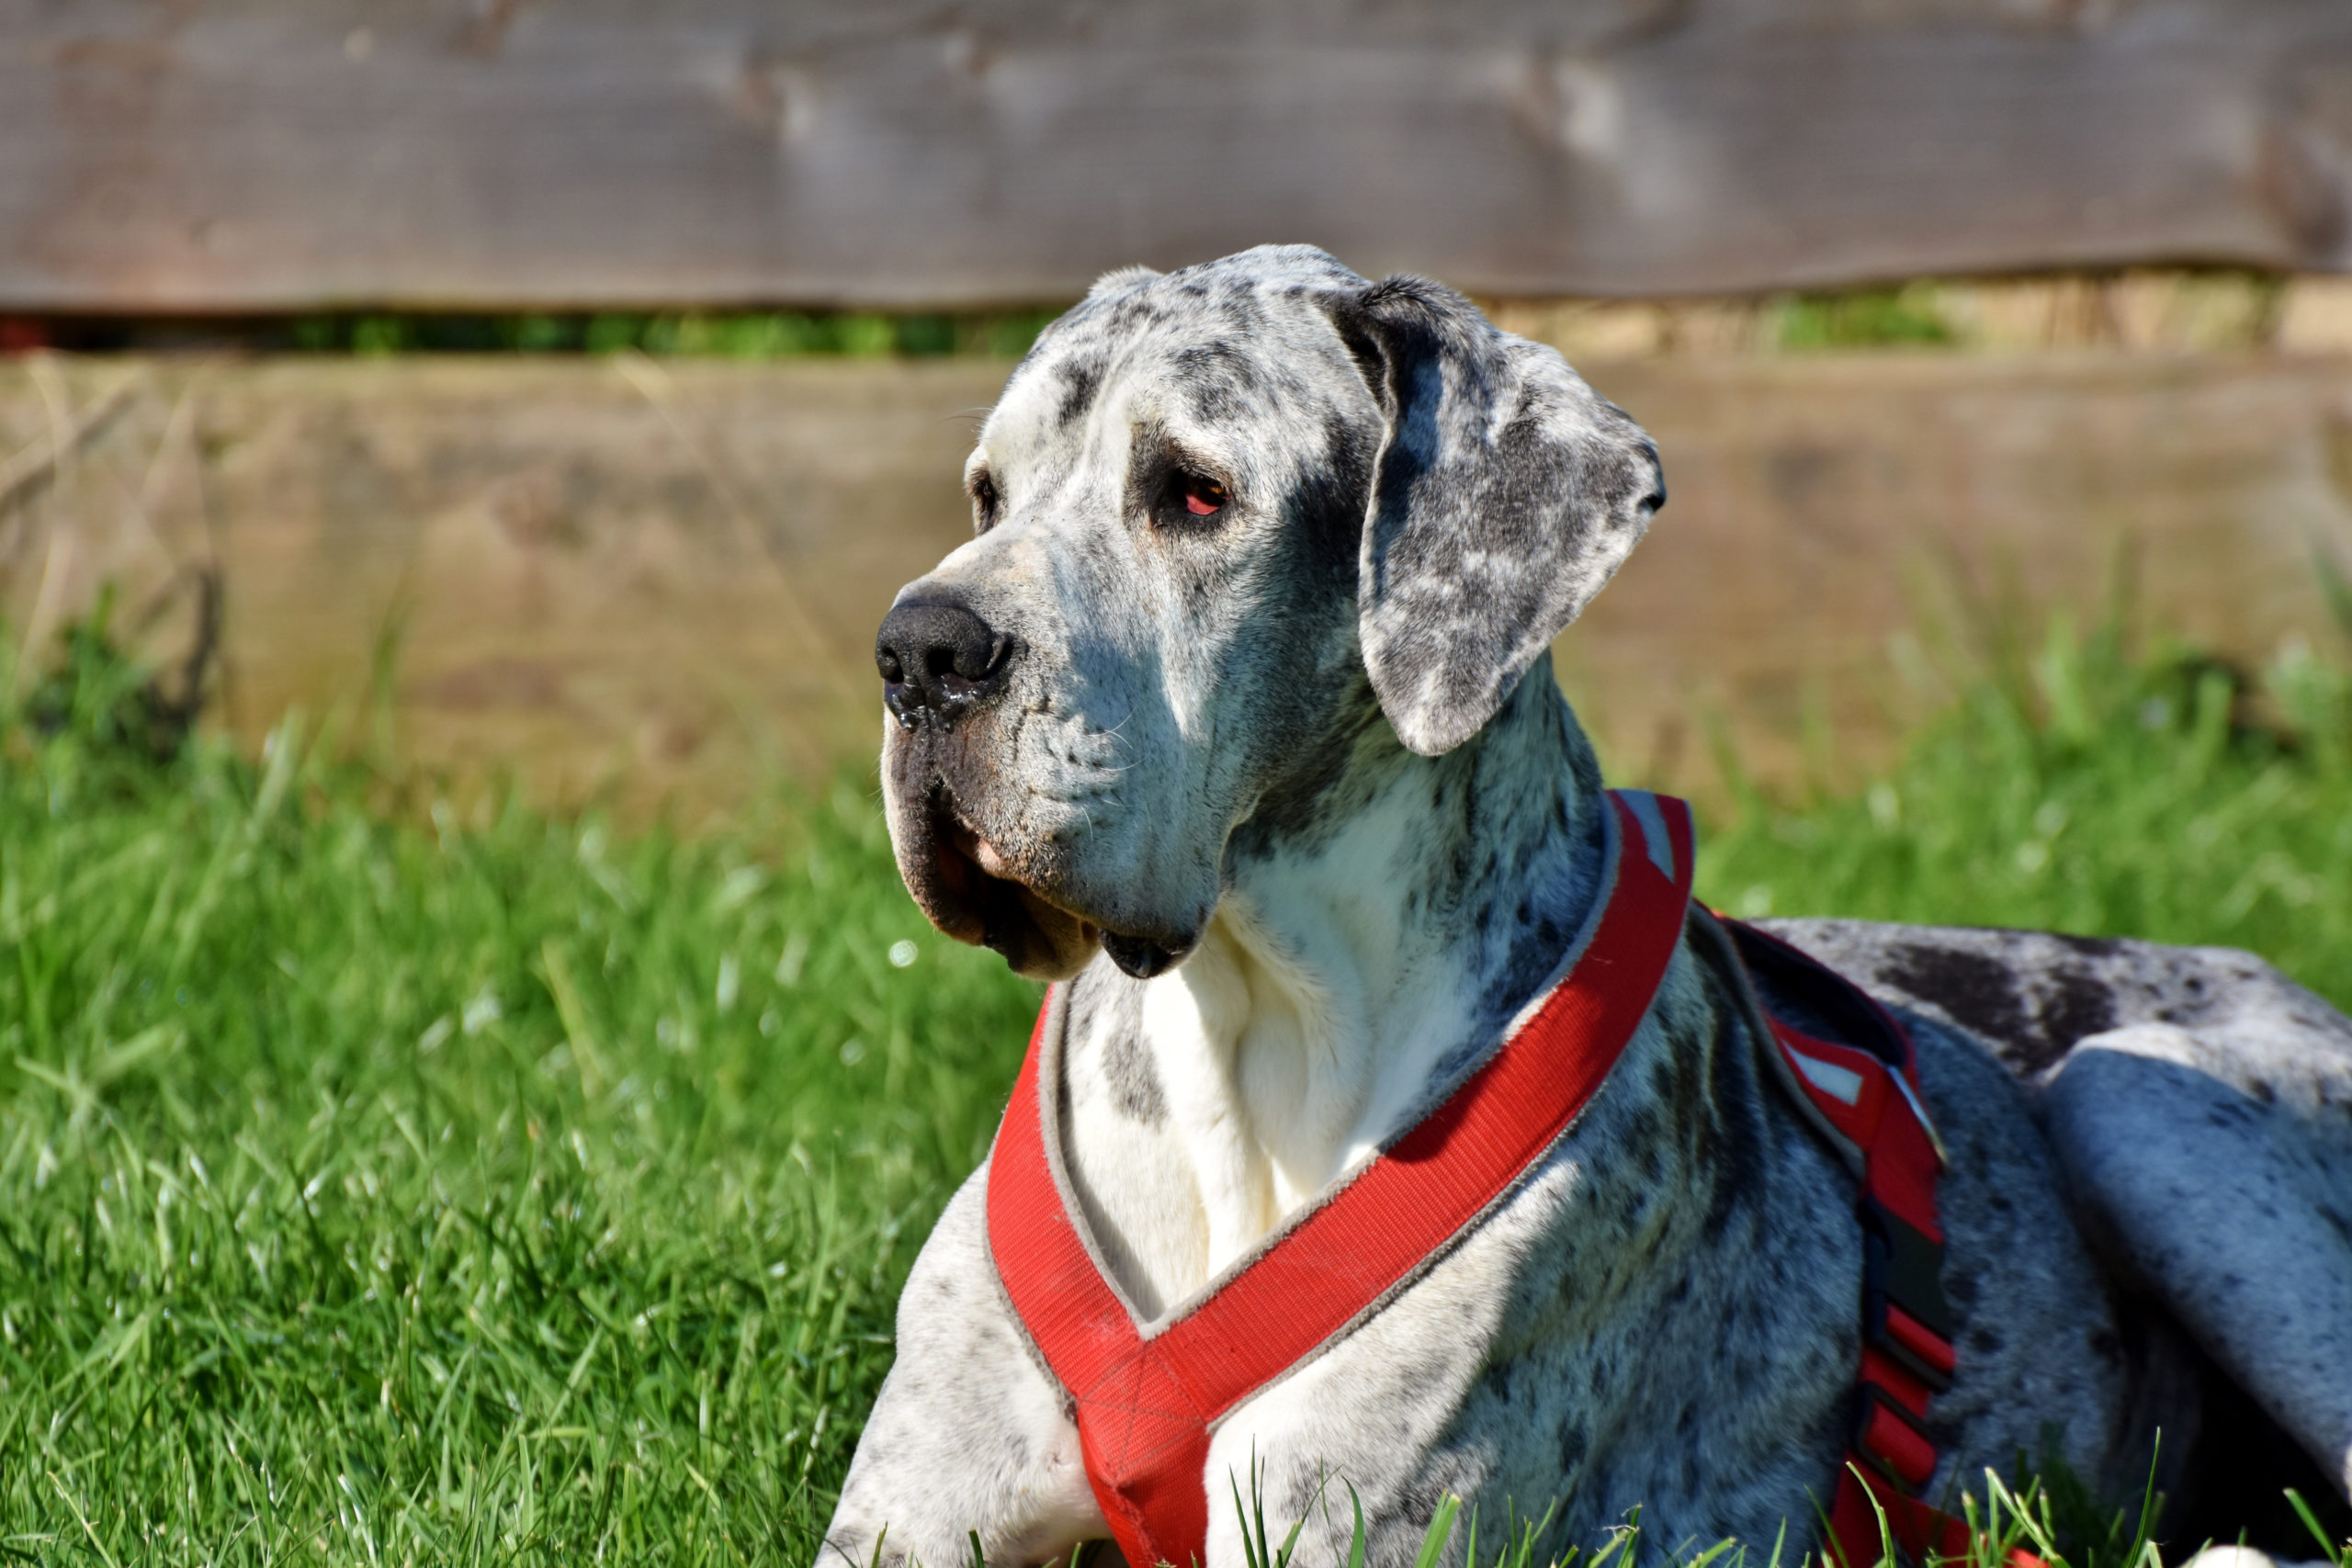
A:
[669,576]
[264,155]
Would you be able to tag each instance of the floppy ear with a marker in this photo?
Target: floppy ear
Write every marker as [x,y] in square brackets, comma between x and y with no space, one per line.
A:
[1506,493]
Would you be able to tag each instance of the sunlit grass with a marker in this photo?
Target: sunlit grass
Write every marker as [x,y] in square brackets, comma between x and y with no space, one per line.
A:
[374,1187]
[2166,796]
[382,1185]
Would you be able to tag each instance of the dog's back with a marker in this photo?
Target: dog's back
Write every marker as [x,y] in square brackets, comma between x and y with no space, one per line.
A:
[2200,1105]
[2033,995]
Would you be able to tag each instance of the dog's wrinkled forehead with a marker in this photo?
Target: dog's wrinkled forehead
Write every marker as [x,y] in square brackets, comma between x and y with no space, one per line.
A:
[1478,489]
[1243,343]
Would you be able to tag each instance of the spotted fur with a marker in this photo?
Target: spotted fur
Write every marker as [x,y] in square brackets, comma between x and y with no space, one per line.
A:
[1289,795]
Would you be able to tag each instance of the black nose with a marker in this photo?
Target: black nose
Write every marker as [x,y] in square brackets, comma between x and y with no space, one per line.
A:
[937,659]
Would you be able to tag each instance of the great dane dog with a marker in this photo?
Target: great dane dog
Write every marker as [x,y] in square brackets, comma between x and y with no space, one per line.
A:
[1235,715]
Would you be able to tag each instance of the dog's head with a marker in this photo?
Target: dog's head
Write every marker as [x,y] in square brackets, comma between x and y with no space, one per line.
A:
[1228,520]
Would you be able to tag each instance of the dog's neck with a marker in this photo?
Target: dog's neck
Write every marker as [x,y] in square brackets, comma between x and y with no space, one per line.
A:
[1369,948]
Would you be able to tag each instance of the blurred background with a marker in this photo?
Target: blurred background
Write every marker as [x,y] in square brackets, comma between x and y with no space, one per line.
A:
[559,390]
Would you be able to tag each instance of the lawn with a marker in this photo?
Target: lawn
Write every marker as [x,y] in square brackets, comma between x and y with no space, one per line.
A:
[382,1182]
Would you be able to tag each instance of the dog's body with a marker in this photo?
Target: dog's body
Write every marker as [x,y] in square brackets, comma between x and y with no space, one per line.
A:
[1241,684]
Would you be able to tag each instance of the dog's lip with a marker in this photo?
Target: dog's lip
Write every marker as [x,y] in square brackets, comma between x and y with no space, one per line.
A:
[956,837]
[989,904]
[978,851]
[984,859]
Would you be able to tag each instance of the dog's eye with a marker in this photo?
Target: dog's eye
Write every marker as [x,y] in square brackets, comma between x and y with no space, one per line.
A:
[984,503]
[1176,497]
[1203,497]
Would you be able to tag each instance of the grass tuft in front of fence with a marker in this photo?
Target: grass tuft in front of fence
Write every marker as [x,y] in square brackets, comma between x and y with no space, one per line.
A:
[383,1183]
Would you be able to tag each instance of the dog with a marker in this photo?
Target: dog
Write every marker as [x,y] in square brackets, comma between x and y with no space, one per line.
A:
[1234,717]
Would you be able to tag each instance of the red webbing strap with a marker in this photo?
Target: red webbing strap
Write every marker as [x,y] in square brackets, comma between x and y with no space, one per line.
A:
[1145,1407]
[1908,1352]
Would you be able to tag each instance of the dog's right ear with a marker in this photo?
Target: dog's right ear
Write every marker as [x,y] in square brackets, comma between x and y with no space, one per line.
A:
[1506,493]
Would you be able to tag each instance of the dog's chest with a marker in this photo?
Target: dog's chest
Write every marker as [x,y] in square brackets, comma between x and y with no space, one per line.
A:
[1199,1113]
[1663,1312]
[1633,1254]
[1634,1323]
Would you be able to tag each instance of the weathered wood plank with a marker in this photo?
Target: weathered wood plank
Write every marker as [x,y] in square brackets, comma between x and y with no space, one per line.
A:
[265,154]
[667,578]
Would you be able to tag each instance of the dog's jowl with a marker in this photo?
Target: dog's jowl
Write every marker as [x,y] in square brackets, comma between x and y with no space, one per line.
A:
[1234,719]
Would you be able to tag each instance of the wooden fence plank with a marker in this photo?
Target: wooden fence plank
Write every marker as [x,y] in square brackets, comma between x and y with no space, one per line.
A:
[275,154]
[669,579]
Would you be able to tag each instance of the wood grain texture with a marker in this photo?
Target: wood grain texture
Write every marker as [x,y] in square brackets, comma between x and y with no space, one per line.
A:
[272,154]
[665,579]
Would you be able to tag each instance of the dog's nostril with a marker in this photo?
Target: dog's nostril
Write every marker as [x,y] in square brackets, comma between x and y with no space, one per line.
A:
[937,656]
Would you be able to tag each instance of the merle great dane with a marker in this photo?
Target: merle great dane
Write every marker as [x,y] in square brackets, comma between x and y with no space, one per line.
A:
[1235,715]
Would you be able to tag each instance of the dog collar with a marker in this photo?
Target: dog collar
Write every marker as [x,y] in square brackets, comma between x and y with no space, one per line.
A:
[1147,1397]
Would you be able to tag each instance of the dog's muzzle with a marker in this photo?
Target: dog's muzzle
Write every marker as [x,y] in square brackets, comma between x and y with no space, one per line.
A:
[941,662]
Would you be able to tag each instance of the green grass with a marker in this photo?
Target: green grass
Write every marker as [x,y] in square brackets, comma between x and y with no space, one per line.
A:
[1908,317]
[729,334]
[383,1184]
[2089,791]
[384,1189]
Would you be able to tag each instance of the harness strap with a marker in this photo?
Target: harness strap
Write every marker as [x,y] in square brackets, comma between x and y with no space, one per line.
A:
[1864,1099]
[1147,1397]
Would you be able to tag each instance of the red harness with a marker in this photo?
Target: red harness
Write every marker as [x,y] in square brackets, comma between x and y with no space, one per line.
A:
[1146,1399]
[1863,1097]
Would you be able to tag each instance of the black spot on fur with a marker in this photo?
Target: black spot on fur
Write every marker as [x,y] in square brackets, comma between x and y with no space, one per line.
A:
[1681,1086]
[1574,1446]
[2089,946]
[1960,1285]
[1132,1077]
[1242,314]
[1979,993]
[1218,381]
[1735,1147]
[1327,507]
[1080,380]
[2078,1005]
[1653,1168]
[1304,803]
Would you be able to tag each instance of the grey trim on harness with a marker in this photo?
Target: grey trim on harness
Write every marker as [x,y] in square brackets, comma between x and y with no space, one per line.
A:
[1715,945]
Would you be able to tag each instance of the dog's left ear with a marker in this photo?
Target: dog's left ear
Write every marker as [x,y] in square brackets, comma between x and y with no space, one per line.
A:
[1506,493]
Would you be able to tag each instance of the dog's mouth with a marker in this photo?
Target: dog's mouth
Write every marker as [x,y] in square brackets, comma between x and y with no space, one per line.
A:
[976,893]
